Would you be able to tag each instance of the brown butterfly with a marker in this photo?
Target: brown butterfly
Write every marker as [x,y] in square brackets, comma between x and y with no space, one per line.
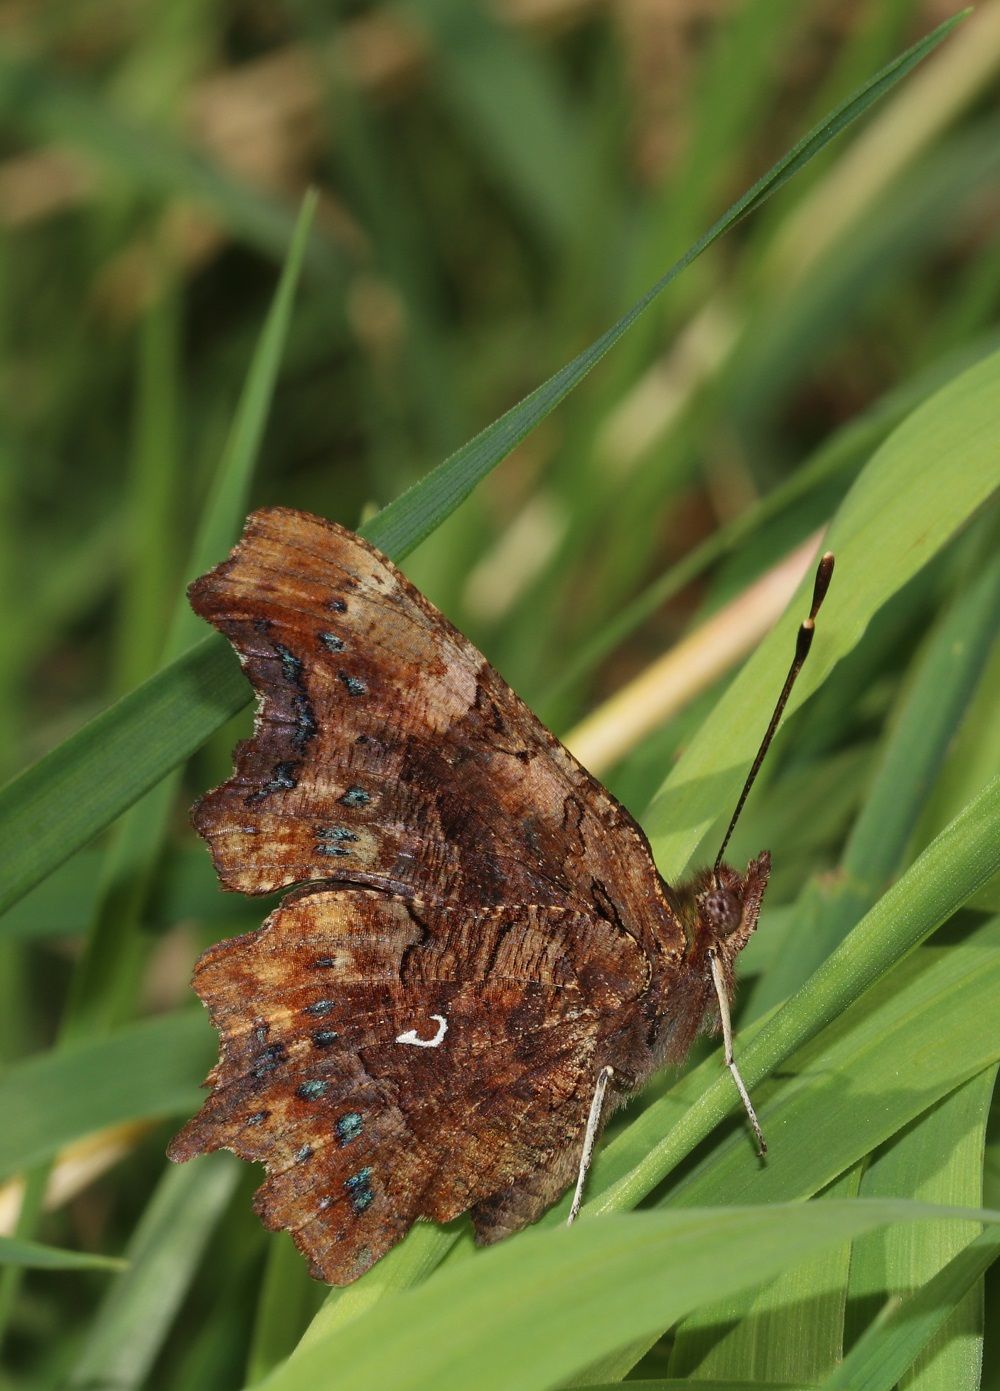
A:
[480,960]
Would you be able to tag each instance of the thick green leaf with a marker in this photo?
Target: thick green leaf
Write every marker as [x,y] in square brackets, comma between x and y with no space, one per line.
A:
[532,1313]
[789,1331]
[938,1159]
[888,1348]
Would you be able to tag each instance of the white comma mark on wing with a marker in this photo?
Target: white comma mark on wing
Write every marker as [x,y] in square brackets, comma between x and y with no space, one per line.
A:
[411,1035]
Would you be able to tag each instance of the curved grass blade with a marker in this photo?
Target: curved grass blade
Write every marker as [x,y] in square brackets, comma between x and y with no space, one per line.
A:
[922,728]
[903,507]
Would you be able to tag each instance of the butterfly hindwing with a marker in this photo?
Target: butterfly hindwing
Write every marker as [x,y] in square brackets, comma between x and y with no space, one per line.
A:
[388,1059]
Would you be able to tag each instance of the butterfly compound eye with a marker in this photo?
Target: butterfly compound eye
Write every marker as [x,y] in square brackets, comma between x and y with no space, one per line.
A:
[723,909]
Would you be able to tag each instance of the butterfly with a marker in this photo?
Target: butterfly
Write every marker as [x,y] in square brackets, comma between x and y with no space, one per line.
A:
[477,959]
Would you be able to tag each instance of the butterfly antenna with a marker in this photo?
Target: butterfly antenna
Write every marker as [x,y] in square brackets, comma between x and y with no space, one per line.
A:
[803,642]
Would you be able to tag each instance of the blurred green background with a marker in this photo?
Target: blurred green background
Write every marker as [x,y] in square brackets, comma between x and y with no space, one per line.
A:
[495,185]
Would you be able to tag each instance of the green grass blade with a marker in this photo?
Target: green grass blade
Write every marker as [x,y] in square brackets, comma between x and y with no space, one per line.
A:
[923,728]
[904,507]
[68,797]
[198,691]
[939,1159]
[410,518]
[33,1256]
[59,803]
[533,1313]
[789,1331]
[936,885]
[144,1071]
[125,1336]
[889,1347]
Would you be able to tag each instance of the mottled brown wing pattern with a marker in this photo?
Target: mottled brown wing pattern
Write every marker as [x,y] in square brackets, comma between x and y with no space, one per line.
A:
[387,752]
[477,881]
[509,1013]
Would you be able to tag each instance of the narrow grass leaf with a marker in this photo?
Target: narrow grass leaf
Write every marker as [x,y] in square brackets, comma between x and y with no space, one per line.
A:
[126,1335]
[926,502]
[890,1346]
[34,1256]
[407,521]
[146,1070]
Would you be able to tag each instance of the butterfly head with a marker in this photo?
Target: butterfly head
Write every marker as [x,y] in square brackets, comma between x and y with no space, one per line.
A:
[726,905]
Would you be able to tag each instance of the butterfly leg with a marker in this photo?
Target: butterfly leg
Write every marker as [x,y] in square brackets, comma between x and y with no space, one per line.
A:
[727,1038]
[589,1140]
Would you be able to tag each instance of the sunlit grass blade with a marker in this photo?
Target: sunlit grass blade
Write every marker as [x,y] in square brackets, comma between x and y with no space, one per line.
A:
[923,727]
[927,503]
[939,1159]
[533,1313]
